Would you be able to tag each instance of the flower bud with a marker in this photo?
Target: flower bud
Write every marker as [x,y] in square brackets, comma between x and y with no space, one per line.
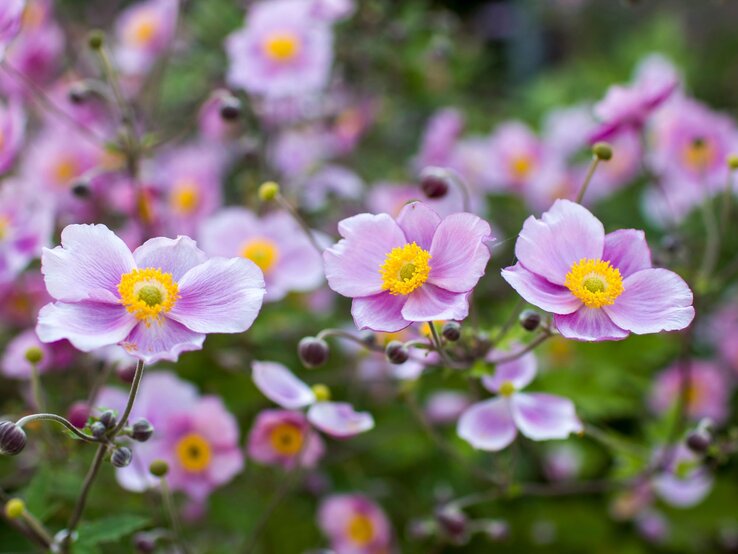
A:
[34,355]
[368,338]
[126,373]
[15,508]
[12,438]
[397,352]
[142,430]
[496,529]
[421,529]
[96,39]
[453,524]
[81,189]
[78,414]
[733,161]
[78,93]
[322,393]
[451,331]
[159,468]
[530,320]
[121,457]
[145,543]
[230,108]
[108,419]
[268,191]
[602,151]
[434,182]
[313,351]
[98,429]
[699,441]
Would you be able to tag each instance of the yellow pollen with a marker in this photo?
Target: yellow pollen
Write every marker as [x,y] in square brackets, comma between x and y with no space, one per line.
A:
[32,17]
[64,171]
[286,439]
[4,225]
[184,198]
[194,453]
[146,293]
[282,46]
[595,282]
[263,252]
[405,269]
[507,388]
[699,154]
[2,139]
[360,529]
[521,166]
[143,29]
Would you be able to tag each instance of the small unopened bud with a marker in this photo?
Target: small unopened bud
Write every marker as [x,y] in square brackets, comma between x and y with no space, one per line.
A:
[81,189]
[78,93]
[268,191]
[451,331]
[313,351]
[496,529]
[34,355]
[230,108]
[78,414]
[434,182]
[453,524]
[530,320]
[108,419]
[368,338]
[397,352]
[159,468]
[733,161]
[12,438]
[15,508]
[322,393]
[121,457]
[145,543]
[98,429]
[421,529]
[142,430]
[699,441]
[602,151]
[96,39]
[126,373]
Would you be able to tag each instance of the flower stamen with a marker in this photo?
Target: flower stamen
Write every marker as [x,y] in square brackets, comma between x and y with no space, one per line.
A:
[595,282]
[405,269]
[147,293]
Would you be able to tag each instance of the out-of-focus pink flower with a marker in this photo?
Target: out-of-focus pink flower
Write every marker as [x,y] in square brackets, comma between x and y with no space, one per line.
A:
[562,462]
[274,242]
[332,10]
[330,181]
[446,406]
[686,482]
[296,152]
[55,356]
[515,157]
[439,138]
[565,130]
[156,302]
[12,132]
[723,332]
[22,298]
[285,438]
[391,198]
[620,170]
[354,524]
[11,13]
[212,124]
[282,50]
[599,287]
[143,32]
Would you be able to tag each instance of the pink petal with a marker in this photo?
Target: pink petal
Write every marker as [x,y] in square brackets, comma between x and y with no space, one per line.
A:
[381,312]
[281,386]
[540,292]
[175,256]
[339,419]
[459,253]
[161,340]
[220,296]
[564,235]
[419,223]
[520,372]
[352,264]
[431,303]
[654,300]
[88,264]
[588,324]
[627,250]
[488,425]
[544,416]
[87,325]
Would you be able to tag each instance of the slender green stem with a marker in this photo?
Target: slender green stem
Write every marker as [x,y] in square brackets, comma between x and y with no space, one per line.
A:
[171,509]
[58,419]
[712,243]
[590,173]
[86,486]
[131,399]
[727,201]
[36,388]
[540,339]
[438,344]
[348,336]
[37,528]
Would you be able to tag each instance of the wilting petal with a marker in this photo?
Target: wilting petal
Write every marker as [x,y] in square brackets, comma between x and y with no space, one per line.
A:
[339,419]
[520,372]
[419,223]
[588,324]
[352,264]
[564,235]
[628,251]
[175,256]
[544,416]
[432,303]
[381,312]
[488,425]
[88,264]
[540,292]
[87,325]
[654,300]
[281,386]
[220,296]
[161,340]
[459,253]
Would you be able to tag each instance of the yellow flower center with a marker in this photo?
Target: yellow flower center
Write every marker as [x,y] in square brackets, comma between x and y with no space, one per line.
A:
[595,282]
[405,269]
[194,453]
[184,198]
[700,154]
[507,388]
[146,293]
[143,29]
[282,46]
[360,529]
[263,252]
[64,171]
[4,225]
[521,166]
[286,439]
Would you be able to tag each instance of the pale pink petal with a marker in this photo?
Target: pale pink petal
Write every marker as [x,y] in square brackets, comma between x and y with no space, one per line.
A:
[588,324]
[627,251]
[520,372]
[175,256]
[419,223]
[431,303]
[488,425]
[381,312]
[544,416]
[653,300]
[339,419]
[540,292]
[281,386]
[161,340]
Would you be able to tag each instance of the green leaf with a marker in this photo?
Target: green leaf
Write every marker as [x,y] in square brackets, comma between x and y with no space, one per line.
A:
[109,529]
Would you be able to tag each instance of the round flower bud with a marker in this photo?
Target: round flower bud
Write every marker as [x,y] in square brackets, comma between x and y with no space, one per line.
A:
[699,440]
[81,189]
[313,351]
[96,39]
[78,93]
[434,182]
[230,108]
[12,438]
[368,338]
[108,419]
[733,161]
[268,191]
[78,414]
[496,529]
[530,320]
[144,543]
[142,430]
[98,429]
[34,355]
[602,151]
[126,373]
[397,352]
[322,393]
[159,468]
[15,508]
[451,331]
[121,457]
[453,524]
